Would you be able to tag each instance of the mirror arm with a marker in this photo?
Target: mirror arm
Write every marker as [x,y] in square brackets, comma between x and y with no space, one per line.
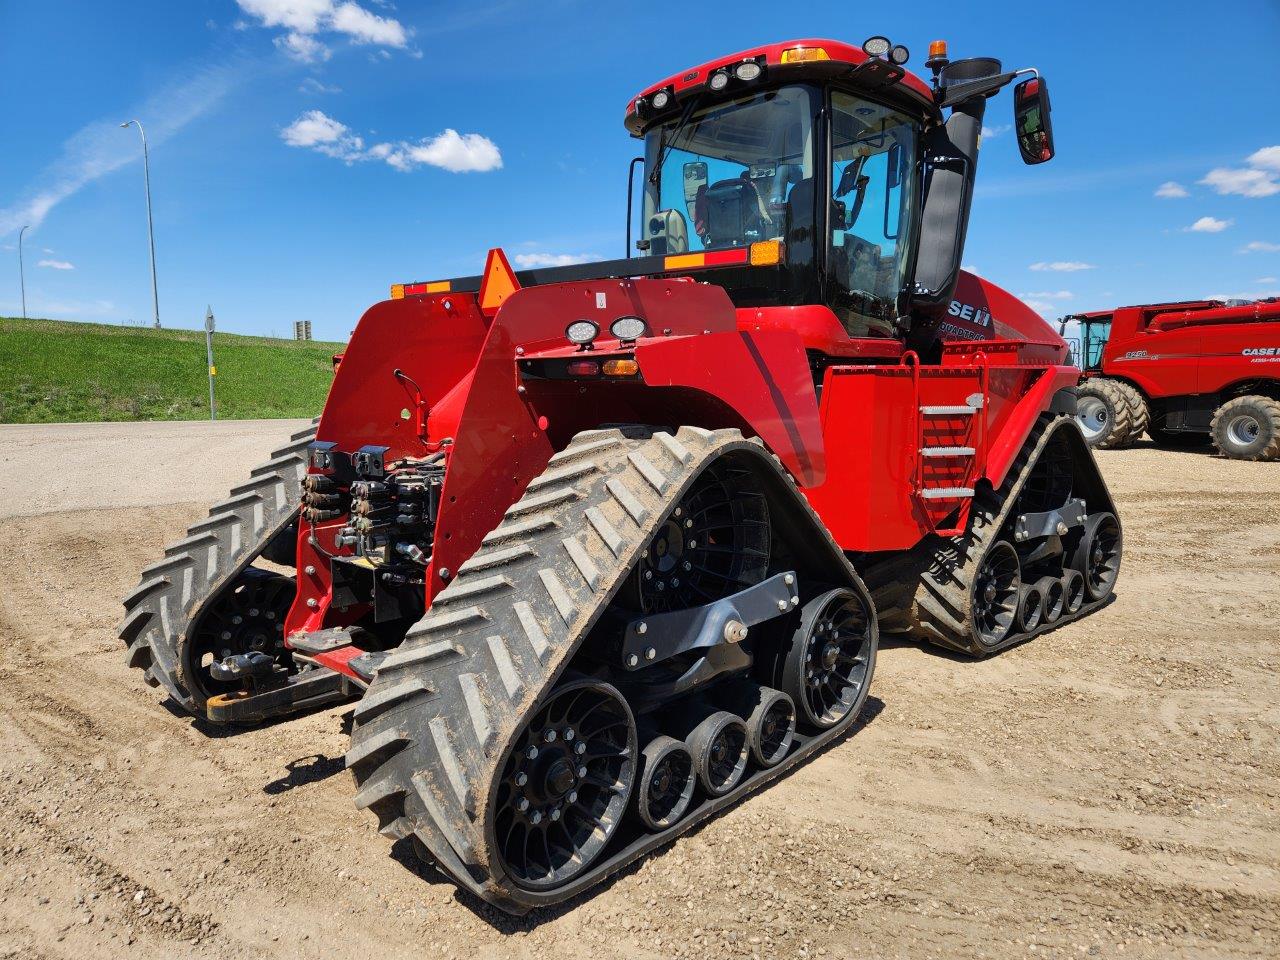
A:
[982,88]
[631,182]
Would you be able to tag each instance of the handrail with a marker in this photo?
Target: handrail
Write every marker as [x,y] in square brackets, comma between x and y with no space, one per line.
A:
[912,359]
[984,380]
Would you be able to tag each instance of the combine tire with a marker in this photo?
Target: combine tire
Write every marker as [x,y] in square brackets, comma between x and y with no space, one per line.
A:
[1248,428]
[479,738]
[1112,414]
[203,598]
[965,593]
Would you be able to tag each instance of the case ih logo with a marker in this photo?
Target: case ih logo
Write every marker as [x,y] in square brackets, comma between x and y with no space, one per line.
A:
[1261,352]
[964,311]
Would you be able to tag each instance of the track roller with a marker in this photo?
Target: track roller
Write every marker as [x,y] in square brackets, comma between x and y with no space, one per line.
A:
[1098,554]
[1030,607]
[826,668]
[1073,590]
[718,746]
[1054,602]
[665,787]
[770,717]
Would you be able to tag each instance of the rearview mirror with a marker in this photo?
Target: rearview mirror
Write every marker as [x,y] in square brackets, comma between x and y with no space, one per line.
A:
[695,177]
[1031,120]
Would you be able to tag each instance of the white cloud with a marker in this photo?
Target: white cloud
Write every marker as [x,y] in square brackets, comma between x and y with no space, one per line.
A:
[1061,266]
[101,147]
[970,268]
[530,260]
[1050,295]
[450,150]
[1268,158]
[56,264]
[1249,182]
[305,21]
[1171,190]
[1266,280]
[1260,246]
[991,132]
[1042,307]
[1209,225]
[312,85]
[303,48]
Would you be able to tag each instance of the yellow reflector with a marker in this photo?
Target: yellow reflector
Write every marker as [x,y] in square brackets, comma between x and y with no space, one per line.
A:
[213,371]
[804,55]
[684,261]
[766,253]
[441,286]
[397,291]
[620,368]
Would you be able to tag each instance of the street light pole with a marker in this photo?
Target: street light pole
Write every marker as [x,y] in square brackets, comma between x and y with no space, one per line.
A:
[22,273]
[151,237]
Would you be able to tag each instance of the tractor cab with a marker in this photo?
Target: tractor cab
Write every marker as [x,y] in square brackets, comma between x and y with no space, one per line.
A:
[831,167]
[1092,331]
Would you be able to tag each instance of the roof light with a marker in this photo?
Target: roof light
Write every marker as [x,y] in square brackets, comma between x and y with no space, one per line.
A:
[627,328]
[766,253]
[803,55]
[582,332]
[620,368]
[661,99]
[938,50]
[748,70]
[899,54]
[719,80]
[876,46]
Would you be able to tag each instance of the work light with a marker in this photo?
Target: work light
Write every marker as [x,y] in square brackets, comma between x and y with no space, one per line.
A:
[661,99]
[876,46]
[748,70]
[627,328]
[582,332]
[719,80]
[899,54]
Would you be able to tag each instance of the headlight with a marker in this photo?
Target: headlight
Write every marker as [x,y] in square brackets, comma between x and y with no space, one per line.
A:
[661,99]
[747,70]
[627,328]
[582,332]
[719,80]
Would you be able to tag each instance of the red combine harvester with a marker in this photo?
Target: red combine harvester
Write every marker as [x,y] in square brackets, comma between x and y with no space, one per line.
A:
[602,548]
[1182,372]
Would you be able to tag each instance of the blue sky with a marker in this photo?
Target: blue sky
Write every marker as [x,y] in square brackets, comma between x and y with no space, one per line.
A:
[307,153]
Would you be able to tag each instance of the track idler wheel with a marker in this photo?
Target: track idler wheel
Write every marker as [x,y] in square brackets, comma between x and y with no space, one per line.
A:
[1098,554]
[665,787]
[825,670]
[566,784]
[995,594]
[246,617]
[718,746]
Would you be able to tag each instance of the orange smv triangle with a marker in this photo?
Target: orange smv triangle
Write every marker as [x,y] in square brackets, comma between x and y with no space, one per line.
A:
[498,283]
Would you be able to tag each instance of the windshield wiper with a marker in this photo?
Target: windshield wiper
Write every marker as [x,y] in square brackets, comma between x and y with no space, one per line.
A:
[667,144]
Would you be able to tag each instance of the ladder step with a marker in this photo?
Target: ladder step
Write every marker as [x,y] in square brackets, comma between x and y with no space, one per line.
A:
[947,493]
[952,411]
[947,451]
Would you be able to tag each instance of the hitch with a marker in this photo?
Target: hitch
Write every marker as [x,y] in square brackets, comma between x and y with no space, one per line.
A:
[648,640]
[272,690]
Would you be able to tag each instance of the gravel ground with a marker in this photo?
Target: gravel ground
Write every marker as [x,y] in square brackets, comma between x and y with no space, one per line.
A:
[1110,789]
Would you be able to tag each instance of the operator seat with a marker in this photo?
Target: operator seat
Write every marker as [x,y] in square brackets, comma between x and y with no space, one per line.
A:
[735,213]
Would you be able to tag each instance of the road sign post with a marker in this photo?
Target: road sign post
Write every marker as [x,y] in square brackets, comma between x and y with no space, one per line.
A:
[213,371]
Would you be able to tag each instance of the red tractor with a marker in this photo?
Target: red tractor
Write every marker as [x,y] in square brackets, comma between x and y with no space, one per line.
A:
[1184,373]
[597,550]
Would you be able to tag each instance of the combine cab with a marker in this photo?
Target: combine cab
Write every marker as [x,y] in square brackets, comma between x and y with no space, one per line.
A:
[1185,373]
[599,549]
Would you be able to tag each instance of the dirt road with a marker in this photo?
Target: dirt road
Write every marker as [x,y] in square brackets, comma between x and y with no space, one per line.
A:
[1111,789]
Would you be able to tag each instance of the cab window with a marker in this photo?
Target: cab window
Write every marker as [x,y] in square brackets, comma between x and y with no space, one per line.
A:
[873,193]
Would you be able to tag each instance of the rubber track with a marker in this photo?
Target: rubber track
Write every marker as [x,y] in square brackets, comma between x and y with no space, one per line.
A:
[429,738]
[175,588]
[927,590]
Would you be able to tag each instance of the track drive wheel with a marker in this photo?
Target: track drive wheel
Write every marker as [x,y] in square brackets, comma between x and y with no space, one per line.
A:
[566,784]
[825,670]
[1248,428]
